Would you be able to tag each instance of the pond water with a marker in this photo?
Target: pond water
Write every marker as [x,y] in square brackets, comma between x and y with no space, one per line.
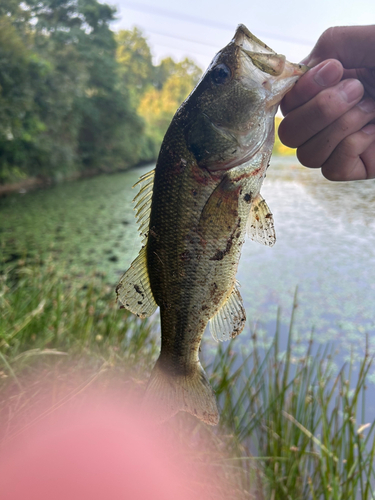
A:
[325,246]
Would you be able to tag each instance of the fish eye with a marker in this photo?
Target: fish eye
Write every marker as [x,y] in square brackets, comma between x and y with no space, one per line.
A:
[221,74]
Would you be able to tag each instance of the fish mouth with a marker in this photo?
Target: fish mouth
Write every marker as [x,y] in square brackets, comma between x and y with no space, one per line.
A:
[276,75]
[281,84]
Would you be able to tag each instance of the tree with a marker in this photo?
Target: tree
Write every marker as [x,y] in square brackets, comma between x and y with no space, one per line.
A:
[157,91]
[174,82]
[135,62]
[62,107]
[20,69]
[107,124]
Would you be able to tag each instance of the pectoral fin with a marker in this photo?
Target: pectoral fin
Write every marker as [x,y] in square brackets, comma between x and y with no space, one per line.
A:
[260,226]
[229,321]
[134,290]
[219,217]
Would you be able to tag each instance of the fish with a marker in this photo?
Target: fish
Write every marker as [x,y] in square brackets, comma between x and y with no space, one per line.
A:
[194,210]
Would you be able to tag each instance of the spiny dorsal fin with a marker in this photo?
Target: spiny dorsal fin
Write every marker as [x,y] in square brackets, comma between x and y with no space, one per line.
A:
[143,203]
[134,291]
[230,319]
[260,225]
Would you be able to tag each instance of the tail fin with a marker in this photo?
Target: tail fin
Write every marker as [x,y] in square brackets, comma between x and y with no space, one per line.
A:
[167,395]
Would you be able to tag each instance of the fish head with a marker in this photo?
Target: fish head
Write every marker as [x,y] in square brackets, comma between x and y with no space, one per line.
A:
[230,114]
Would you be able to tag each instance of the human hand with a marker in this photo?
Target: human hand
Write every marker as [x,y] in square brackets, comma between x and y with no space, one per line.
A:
[330,112]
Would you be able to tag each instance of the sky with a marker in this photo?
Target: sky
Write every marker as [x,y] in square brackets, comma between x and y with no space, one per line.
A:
[199,28]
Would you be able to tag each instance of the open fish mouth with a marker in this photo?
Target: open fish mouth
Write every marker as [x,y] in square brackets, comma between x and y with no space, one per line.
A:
[279,75]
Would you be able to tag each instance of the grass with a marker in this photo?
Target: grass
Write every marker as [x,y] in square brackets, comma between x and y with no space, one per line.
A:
[291,428]
[304,421]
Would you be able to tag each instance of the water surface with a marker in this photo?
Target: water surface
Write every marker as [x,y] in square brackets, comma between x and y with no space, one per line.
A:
[325,246]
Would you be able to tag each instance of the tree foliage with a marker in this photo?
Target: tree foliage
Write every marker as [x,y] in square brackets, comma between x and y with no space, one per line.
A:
[158,90]
[62,108]
[75,96]
[158,105]
[135,61]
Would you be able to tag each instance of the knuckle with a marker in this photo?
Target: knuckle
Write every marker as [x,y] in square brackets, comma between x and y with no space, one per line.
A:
[326,36]
[326,39]
[339,165]
[345,123]
[323,107]
[348,146]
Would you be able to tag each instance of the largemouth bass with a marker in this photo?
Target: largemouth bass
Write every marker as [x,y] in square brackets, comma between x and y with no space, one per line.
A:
[194,210]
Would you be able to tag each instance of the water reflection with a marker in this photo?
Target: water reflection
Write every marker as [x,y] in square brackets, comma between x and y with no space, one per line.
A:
[326,246]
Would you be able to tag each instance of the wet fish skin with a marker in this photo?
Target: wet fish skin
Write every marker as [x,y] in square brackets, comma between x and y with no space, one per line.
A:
[205,197]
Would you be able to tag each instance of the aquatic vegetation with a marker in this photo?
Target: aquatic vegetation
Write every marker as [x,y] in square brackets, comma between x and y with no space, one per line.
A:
[305,424]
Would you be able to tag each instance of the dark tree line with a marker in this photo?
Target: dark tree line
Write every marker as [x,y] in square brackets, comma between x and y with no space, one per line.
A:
[71,91]
[61,106]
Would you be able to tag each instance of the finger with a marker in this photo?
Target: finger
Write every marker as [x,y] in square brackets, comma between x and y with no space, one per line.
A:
[352,45]
[317,114]
[368,158]
[366,76]
[317,150]
[346,163]
[326,74]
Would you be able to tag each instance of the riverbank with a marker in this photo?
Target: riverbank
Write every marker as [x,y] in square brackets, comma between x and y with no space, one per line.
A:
[32,183]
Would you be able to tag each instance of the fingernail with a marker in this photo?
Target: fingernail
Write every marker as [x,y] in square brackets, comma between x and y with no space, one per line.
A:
[367,105]
[328,74]
[351,90]
[369,129]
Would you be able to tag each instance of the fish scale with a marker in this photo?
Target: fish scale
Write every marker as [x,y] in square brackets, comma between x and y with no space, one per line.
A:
[205,198]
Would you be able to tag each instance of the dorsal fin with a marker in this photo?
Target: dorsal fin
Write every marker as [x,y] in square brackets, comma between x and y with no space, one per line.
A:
[230,319]
[143,203]
[134,291]
[260,226]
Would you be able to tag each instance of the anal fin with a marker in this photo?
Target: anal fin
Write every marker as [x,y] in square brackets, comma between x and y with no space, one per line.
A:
[134,291]
[229,321]
[260,226]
